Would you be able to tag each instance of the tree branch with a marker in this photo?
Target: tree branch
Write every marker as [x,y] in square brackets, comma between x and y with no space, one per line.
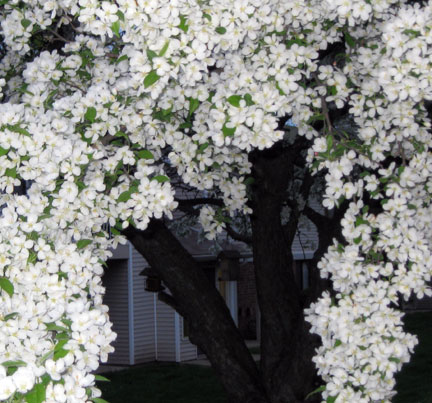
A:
[199,200]
[168,299]
[237,236]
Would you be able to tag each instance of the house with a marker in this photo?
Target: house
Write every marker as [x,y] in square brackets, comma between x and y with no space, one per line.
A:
[149,330]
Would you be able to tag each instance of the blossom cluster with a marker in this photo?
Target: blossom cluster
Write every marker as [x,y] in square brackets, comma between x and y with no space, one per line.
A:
[103,103]
[386,253]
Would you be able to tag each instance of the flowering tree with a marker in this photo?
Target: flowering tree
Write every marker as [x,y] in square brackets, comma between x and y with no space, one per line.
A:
[102,99]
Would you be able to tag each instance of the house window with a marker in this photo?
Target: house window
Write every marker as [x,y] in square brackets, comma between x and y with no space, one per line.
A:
[185,329]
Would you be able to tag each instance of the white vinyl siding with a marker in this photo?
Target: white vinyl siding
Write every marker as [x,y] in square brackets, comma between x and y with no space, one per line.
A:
[165,322]
[115,281]
[144,320]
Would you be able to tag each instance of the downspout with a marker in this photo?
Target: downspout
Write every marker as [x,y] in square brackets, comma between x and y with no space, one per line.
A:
[177,336]
[155,322]
[131,321]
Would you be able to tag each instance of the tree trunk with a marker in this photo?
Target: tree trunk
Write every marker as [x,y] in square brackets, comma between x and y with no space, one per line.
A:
[210,324]
[287,346]
[286,373]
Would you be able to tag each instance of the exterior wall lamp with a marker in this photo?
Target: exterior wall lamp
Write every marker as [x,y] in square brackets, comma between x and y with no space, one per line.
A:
[228,265]
[152,282]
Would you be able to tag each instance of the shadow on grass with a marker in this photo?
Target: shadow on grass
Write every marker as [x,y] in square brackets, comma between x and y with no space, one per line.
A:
[163,383]
[175,383]
[414,382]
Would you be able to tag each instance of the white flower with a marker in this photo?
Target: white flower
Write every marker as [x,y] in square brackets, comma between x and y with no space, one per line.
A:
[23,379]
[7,388]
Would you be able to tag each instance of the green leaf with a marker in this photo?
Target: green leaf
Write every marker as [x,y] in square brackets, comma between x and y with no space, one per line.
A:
[101,378]
[145,155]
[11,172]
[90,115]
[37,394]
[164,115]
[125,196]
[82,243]
[164,49]
[161,178]
[193,105]
[183,24]
[234,100]
[115,28]
[337,343]
[114,231]
[249,180]
[228,131]
[329,141]
[248,99]
[62,336]
[208,16]
[53,327]
[6,285]
[12,315]
[25,23]
[121,134]
[360,221]
[331,399]
[151,78]
[394,359]
[3,151]
[61,353]
[17,129]
[151,54]
[120,15]
[220,30]
[202,147]
[185,125]
[412,33]
[67,322]
[32,258]
[17,363]
[318,390]
[121,58]
[332,90]
[349,40]
[99,400]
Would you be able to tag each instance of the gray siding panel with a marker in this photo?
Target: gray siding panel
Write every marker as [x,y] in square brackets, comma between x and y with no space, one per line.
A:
[144,325]
[166,332]
[188,351]
[116,297]
[306,240]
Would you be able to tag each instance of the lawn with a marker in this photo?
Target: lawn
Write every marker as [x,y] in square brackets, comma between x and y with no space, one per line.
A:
[163,383]
[176,383]
[414,382]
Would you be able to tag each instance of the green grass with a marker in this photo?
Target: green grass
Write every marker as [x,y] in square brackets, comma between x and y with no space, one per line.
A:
[163,383]
[414,382]
[175,383]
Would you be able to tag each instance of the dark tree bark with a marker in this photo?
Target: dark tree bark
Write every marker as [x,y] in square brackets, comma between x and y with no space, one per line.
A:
[286,373]
[286,345]
[210,324]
